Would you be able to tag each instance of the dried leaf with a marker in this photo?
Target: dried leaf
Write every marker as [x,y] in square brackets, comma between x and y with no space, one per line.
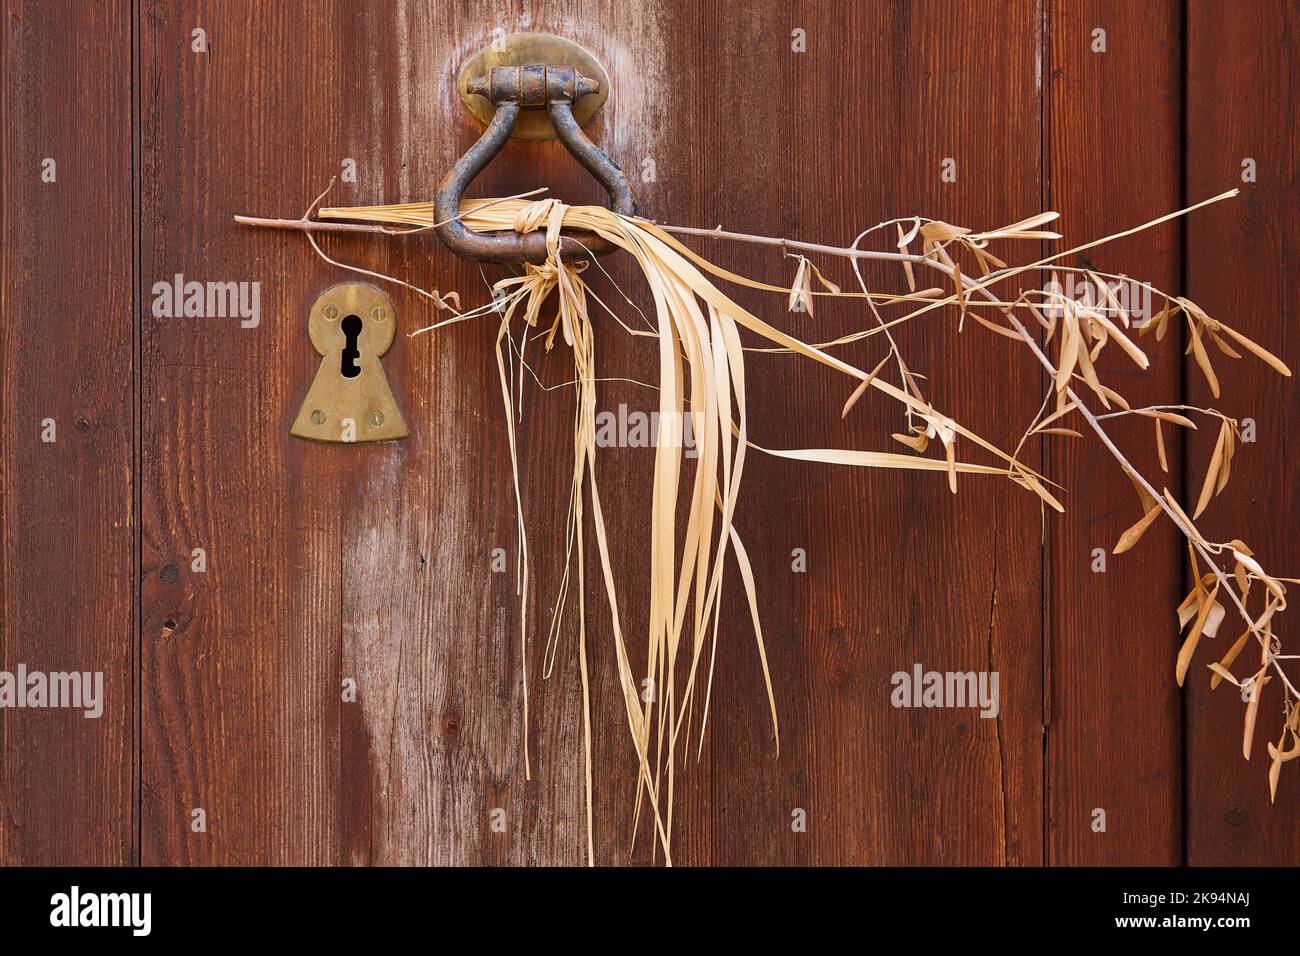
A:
[1228,658]
[1212,470]
[917,442]
[1259,351]
[826,283]
[862,389]
[1223,346]
[1145,498]
[903,240]
[961,296]
[1136,354]
[1025,229]
[801,297]
[1134,534]
[1069,352]
[1116,397]
[1274,771]
[1164,416]
[949,449]
[1203,359]
[1059,413]
[1188,650]
[1220,674]
[1252,712]
[993,327]
[937,231]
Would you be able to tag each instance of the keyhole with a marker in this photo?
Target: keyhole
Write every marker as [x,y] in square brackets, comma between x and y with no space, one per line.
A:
[352,329]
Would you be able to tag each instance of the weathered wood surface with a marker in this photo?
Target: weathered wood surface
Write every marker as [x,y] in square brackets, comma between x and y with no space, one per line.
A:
[374,564]
[67,425]
[1242,267]
[1114,721]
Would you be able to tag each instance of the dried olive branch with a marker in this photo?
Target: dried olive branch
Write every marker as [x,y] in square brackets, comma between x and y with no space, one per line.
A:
[1206,549]
[945,264]
[939,259]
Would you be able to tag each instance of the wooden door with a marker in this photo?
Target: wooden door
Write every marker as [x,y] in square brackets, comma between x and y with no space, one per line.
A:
[229,580]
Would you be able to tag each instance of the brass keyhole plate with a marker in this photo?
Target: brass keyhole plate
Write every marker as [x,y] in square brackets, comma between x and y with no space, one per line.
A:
[518,49]
[351,325]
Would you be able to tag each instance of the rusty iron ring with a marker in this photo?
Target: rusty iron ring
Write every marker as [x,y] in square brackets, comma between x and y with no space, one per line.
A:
[530,87]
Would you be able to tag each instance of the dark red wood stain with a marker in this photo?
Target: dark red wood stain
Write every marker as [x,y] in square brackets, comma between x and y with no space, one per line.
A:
[1113,711]
[1242,268]
[67,518]
[373,565]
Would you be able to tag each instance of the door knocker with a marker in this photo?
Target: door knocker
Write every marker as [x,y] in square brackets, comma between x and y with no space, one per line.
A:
[532,72]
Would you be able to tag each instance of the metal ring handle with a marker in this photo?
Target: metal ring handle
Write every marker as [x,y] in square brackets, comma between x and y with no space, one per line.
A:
[510,89]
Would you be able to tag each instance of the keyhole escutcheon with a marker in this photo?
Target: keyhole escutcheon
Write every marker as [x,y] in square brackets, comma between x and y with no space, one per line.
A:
[351,325]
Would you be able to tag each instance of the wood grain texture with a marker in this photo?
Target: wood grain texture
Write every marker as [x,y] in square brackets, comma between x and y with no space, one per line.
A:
[899,571]
[241,663]
[375,564]
[368,563]
[1242,79]
[1113,736]
[67,523]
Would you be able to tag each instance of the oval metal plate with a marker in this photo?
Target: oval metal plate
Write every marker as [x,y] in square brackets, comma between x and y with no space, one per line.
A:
[518,49]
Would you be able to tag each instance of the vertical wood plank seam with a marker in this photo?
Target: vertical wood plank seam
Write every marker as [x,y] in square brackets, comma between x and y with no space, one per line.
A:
[341,782]
[1047,630]
[6,205]
[1183,398]
[137,424]
[997,721]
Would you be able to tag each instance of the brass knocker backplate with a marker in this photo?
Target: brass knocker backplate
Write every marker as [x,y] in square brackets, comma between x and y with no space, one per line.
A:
[518,49]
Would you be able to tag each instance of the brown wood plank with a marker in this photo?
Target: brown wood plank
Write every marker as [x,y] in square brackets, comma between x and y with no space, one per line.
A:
[241,663]
[67,522]
[457,745]
[818,146]
[1242,77]
[1113,738]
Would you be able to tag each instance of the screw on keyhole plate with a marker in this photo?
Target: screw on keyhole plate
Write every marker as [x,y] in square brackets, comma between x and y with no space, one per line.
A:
[349,399]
